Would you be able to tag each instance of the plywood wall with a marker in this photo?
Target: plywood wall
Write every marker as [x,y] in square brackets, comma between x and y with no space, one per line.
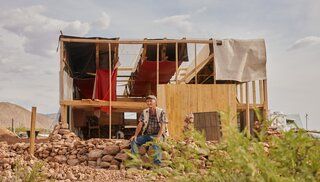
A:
[179,100]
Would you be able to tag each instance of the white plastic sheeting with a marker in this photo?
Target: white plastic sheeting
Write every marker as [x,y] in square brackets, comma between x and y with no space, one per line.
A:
[240,60]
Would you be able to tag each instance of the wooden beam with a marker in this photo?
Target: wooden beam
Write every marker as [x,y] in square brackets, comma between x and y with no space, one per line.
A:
[97,56]
[195,64]
[32,130]
[265,103]
[194,69]
[213,63]
[254,94]
[177,64]
[248,109]
[251,106]
[261,91]
[157,64]
[135,41]
[125,68]
[99,103]
[110,91]
[241,93]
[207,78]
[61,89]
[63,114]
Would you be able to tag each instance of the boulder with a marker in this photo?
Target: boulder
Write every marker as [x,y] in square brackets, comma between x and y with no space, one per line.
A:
[121,156]
[111,150]
[104,164]
[107,158]
[95,154]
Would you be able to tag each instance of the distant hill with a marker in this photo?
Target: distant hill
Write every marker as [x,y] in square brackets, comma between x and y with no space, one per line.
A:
[22,116]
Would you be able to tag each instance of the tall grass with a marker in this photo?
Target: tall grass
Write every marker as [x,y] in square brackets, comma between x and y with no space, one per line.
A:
[294,156]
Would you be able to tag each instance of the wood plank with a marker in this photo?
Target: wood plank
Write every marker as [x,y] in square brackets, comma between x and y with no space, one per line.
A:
[177,64]
[32,130]
[125,68]
[241,93]
[135,41]
[248,109]
[97,56]
[157,71]
[261,91]
[254,94]
[99,103]
[265,104]
[61,89]
[110,91]
[63,114]
[251,106]
[195,63]
[190,98]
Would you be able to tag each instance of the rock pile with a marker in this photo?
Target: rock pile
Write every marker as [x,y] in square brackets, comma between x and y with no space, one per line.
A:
[64,147]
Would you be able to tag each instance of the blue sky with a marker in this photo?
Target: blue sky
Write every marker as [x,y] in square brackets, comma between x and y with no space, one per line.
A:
[29,33]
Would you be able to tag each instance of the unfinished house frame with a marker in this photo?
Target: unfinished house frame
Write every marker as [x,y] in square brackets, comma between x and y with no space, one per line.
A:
[89,73]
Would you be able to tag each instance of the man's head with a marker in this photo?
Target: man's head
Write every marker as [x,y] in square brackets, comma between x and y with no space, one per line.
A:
[151,101]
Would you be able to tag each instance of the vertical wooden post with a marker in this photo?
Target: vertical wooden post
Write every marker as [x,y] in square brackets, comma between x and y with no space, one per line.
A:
[97,56]
[265,103]
[32,130]
[157,66]
[248,109]
[63,114]
[177,64]
[61,89]
[213,64]
[261,91]
[241,93]
[195,63]
[110,91]
[254,94]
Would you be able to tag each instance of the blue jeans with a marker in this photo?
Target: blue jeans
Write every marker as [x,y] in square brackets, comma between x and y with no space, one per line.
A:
[142,140]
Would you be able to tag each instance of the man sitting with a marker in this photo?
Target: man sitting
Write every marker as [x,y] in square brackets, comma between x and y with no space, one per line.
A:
[153,122]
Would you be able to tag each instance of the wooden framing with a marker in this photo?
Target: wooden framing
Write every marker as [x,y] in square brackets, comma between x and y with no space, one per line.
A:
[135,41]
[251,104]
[177,64]
[137,104]
[110,88]
[99,103]
[247,108]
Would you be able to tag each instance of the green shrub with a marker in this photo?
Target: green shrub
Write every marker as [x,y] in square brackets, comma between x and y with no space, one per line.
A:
[294,156]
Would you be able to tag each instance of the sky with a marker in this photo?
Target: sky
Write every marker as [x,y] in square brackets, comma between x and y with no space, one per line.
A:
[29,33]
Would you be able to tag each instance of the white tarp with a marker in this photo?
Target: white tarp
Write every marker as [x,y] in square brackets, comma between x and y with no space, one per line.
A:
[240,60]
[67,87]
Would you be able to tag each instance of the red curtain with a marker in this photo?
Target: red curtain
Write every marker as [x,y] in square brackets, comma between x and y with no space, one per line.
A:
[101,90]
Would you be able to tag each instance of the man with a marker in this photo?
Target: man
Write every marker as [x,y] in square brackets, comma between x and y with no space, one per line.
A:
[152,122]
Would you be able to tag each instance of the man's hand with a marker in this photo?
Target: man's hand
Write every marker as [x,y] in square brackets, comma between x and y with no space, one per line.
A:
[158,138]
[133,138]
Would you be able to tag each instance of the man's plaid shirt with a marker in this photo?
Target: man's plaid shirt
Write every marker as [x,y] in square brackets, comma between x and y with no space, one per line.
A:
[153,125]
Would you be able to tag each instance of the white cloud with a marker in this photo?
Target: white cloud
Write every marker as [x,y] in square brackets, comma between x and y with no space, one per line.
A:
[38,31]
[103,22]
[181,22]
[305,42]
